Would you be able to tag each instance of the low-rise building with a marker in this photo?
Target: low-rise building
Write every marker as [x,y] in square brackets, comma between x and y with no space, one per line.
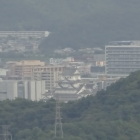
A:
[101,81]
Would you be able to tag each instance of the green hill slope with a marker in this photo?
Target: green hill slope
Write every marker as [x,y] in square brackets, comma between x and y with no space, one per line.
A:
[113,114]
[75,24]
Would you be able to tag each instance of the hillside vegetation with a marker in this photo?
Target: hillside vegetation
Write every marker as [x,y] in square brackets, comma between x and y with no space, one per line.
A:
[76,24]
[113,114]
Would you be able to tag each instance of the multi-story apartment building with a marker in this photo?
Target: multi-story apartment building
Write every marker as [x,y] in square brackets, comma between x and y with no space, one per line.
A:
[24,34]
[31,90]
[23,69]
[122,57]
[50,74]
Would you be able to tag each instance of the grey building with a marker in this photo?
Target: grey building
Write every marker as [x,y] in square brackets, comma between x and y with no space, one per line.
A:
[24,34]
[12,89]
[122,57]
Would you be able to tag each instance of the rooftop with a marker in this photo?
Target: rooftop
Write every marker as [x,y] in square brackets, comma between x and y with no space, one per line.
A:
[124,43]
[69,72]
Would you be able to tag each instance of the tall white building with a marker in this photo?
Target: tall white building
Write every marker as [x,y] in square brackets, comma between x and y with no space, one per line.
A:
[31,90]
[122,57]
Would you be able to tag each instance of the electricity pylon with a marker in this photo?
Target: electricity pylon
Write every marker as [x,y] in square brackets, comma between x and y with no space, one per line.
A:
[58,123]
[5,135]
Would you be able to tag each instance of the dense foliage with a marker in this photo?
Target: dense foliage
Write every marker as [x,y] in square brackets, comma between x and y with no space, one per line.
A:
[74,23]
[113,114]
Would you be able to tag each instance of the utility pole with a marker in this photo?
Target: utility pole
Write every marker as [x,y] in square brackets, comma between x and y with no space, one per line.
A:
[58,123]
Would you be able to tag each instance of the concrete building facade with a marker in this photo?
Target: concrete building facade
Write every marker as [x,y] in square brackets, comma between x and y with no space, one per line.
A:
[31,90]
[24,34]
[122,57]
[23,69]
[50,74]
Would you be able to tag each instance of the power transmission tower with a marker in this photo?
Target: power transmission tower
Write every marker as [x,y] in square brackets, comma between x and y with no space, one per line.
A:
[5,131]
[6,135]
[58,123]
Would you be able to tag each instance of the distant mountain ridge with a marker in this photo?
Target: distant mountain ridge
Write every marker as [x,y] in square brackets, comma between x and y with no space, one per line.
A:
[76,24]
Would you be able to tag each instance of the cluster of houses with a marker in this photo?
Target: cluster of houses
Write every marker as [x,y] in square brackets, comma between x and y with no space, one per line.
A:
[37,80]
[69,78]
[21,41]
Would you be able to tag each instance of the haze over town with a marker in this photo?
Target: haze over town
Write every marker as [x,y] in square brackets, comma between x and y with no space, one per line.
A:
[66,68]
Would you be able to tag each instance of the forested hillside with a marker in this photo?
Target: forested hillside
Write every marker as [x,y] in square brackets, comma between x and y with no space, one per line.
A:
[113,114]
[76,24]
